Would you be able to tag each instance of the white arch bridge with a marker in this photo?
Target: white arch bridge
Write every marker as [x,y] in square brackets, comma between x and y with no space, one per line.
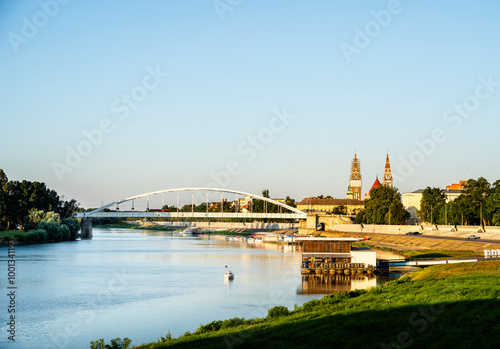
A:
[290,212]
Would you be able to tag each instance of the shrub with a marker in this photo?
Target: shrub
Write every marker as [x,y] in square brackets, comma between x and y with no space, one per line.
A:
[41,235]
[311,305]
[53,230]
[234,322]
[31,237]
[334,298]
[211,327]
[65,234]
[73,226]
[35,217]
[355,293]
[116,343]
[277,311]
[20,237]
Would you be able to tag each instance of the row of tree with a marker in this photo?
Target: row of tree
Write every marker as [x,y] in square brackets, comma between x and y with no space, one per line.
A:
[18,198]
[257,206]
[478,204]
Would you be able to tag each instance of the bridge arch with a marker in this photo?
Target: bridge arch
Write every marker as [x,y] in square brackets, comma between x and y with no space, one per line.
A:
[297,213]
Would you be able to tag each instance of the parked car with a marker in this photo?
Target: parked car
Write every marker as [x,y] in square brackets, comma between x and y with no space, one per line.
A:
[413,233]
[473,237]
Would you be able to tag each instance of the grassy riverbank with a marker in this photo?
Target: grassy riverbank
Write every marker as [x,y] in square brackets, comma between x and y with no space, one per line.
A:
[428,253]
[455,305]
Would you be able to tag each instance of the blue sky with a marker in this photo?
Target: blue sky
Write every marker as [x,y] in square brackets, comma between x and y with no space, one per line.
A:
[222,77]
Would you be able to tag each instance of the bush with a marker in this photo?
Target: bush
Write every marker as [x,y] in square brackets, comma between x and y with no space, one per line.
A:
[65,234]
[277,311]
[41,235]
[53,230]
[234,322]
[35,217]
[334,298]
[116,343]
[31,237]
[73,226]
[311,305]
[211,327]
[20,237]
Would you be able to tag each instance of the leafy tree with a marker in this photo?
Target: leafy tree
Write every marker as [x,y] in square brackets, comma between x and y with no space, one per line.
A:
[340,210]
[35,216]
[432,206]
[290,202]
[17,198]
[492,203]
[383,207]
[3,183]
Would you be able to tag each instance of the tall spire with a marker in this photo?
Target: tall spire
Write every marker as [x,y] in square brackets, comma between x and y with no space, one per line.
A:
[355,177]
[387,179]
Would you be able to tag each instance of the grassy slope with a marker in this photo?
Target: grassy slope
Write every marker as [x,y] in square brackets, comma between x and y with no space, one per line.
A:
[442,306]
[429,253]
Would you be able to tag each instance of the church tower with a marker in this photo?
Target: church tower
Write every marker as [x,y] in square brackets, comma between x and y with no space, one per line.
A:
[355,178]
[387,179]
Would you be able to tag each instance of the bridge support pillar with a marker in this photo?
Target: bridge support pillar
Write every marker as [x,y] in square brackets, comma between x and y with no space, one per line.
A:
[312,221]
[86,232]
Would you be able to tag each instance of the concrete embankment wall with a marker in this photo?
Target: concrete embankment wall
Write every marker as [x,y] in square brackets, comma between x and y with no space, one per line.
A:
[460,231]
[332,223]
[233,225]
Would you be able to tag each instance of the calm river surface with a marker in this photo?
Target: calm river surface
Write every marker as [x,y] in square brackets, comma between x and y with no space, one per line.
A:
[140,284]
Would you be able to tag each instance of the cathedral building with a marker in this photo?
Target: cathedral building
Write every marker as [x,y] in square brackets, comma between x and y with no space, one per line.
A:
[354,189]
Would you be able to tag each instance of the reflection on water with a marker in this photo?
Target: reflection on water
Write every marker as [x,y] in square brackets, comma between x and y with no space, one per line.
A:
[141,284]
[326,283]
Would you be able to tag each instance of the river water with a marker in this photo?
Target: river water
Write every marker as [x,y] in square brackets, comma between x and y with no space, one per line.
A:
[142,284]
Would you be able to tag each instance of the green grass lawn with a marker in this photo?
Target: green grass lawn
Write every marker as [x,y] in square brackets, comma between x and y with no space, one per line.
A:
[442,306]
[441,254]
[10,234]
[434,253]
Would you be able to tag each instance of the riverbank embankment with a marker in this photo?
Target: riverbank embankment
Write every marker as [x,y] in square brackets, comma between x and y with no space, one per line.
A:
[405,242]
[440,306]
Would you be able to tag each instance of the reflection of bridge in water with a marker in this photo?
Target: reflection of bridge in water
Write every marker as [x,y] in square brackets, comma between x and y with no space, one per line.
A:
[112,210]
[326,284]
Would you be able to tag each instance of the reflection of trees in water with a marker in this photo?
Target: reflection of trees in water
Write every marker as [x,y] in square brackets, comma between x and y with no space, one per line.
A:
[326,284]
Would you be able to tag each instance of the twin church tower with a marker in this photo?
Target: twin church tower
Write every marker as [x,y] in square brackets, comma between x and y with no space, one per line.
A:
[354,189]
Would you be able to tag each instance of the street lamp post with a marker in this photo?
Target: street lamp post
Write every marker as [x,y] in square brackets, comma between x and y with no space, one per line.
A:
[481,214]
[432,207]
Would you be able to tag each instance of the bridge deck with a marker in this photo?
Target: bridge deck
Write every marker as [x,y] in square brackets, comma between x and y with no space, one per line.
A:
[135,214]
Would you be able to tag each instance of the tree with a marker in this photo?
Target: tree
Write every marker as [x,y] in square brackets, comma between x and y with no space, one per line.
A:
[432,206]
[3,183]
[340,210]
[290,202]
[383,207]
[492,203]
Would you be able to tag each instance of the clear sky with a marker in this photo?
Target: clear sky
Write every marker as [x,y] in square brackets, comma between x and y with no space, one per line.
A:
[109,99]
